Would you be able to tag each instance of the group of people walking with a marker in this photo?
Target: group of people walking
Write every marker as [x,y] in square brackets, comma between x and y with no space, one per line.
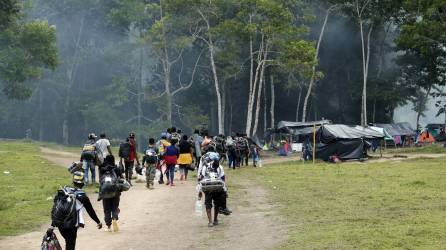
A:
[173,149]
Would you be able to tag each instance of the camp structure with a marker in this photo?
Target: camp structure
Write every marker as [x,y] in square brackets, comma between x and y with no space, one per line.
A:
[397,134]
[437,130]
[296,131]
[425,137]
[345,142]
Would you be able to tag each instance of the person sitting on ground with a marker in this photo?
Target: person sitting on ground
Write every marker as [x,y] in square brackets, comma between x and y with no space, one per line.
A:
[185,158]
[150,161]
[111,205]
[210,164]
[171,157]
[69,230]
[103,148]
[89,158]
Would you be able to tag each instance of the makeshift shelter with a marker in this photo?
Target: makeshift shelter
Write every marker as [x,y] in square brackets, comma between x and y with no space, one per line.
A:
[425,137]
[346,142]
[400,133]
[437,130]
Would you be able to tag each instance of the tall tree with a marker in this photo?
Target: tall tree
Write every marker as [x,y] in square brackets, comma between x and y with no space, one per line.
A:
[26,48]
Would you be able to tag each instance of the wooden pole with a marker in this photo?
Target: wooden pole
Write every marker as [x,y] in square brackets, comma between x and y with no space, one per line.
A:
[314,143]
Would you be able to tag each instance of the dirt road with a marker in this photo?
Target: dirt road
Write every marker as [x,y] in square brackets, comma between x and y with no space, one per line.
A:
[164,218]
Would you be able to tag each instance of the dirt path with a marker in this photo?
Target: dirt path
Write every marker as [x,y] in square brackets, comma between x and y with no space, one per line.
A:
[164,218]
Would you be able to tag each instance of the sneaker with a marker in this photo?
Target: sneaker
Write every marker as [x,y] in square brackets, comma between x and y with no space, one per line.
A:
[215,223]
[108,229]
[210,225]
[224,211]
[167,183]
[115,226]
[160,182]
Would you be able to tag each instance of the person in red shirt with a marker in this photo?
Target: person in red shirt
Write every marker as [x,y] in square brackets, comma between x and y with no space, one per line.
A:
[130,162]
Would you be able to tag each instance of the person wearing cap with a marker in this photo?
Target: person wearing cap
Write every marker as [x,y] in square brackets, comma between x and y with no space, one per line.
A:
[130,162]
[89,158]
[82,203]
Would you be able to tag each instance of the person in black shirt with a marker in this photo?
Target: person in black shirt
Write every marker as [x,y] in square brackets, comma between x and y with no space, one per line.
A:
[185,158]
[111,205]
[82,200]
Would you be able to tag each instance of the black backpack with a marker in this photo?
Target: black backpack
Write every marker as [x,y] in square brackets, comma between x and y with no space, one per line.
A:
[108,185]
[151,156]
[124,150]
[64,213]
[89,152]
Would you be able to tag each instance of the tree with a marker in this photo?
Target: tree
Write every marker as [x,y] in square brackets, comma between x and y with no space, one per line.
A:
[423,44]
[26,49]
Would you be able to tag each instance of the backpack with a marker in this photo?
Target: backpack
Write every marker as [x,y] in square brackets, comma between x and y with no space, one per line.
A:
[108,185]
[151,157]
[64,213]
[161,148]
[175,136]
[124,150]
[88,152]
[230,142]
[50,242]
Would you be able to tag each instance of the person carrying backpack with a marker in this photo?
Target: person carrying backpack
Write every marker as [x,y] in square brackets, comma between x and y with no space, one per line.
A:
[150,161]
[103,148]
[110,174]
[128,154]
[89,158]
[162,144]
[171,157]
[67,211]
[197,140]
[175,135]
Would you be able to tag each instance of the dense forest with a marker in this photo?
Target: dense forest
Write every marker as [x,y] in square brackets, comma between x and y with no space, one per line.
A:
[70,67]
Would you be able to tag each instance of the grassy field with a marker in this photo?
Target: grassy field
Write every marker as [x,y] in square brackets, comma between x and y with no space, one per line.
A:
[25,201]
[428,149]
[366,206]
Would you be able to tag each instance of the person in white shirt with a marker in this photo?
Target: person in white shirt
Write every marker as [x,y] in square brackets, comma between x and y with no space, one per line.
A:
[210,163]
[103,147]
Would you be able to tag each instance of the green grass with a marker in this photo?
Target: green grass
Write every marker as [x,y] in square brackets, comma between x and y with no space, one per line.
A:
[25,201]
[358,206]
[428,149]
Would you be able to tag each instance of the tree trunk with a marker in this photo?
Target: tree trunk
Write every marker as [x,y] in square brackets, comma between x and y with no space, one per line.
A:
[298,104]
[313,75]
[223,104]
[251,102]
[41,127]
[217,88]
[71,72]
[265,109]
[365,66]
[273,103]
[259,93]
[251,84]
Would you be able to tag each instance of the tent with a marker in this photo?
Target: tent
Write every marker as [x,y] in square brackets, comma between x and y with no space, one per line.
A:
[425,137]
[346,142]
[400,133]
